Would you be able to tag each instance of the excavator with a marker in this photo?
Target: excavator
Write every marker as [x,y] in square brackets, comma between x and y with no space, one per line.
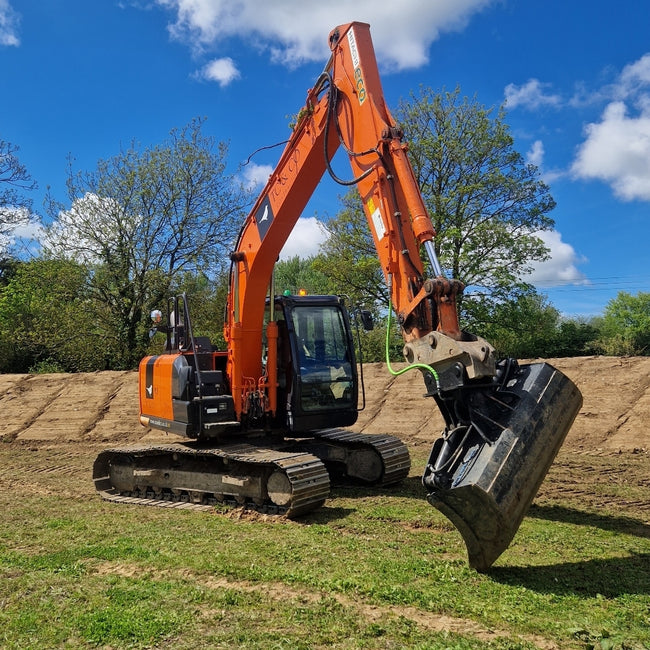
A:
[268,419]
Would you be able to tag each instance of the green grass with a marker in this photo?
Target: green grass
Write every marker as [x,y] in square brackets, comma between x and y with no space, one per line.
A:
[369,570]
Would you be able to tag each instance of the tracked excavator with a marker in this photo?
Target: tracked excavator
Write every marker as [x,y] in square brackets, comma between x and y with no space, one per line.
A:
[268,419]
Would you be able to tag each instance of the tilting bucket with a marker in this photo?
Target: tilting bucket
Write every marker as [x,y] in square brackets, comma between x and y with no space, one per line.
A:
[487,489]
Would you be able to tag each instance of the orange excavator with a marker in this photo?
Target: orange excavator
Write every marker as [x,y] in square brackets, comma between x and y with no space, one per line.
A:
[269,416]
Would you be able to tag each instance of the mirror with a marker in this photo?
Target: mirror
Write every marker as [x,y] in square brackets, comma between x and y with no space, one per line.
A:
[366,320]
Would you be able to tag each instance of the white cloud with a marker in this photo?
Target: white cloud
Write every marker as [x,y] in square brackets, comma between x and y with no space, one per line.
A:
[26,239]
[295,32]
[630,85]
[8,24]
[305,239]
[535,155]
[223,71]
[531,96]
[616,149]
[256,175]
[11,216]
[560,268]
[75,233]
[635,77]
[31,230]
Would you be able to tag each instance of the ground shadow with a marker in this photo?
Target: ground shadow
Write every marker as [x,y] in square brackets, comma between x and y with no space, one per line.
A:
[410,487]
[627,525]
[324,515]
[609,577]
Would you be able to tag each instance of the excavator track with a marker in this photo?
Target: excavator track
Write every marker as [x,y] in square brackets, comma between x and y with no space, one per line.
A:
[374,459]
[193,477]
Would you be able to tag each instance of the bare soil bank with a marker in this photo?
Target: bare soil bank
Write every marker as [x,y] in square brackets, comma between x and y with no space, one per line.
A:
[102,407]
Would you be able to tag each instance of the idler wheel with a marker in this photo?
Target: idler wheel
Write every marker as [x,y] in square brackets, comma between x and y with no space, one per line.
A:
[279,488]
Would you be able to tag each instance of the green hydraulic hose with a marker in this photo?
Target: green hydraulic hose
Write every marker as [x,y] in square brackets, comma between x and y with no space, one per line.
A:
[413,366]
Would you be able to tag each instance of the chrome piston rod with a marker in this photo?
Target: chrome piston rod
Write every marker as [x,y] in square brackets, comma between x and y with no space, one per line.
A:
[433,258]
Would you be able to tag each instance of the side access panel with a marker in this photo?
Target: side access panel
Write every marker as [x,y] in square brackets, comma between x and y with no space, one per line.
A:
[494,483]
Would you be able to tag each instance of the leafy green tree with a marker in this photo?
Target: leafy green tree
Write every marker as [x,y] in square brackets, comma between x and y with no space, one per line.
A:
[15,180]
[527,325]
[141,221]
[486,205]
[8,268]
[349,258]
[298,273]
[47,319]
[485,202]
[625,326]
[574,338]
[524,326]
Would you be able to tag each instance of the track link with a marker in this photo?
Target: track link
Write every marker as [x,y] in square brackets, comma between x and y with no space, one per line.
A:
[197,478]
[375,459]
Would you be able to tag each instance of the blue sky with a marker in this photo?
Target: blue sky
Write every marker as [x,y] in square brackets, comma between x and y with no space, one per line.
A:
[85,78]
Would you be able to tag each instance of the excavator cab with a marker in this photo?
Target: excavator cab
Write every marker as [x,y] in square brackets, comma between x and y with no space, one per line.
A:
[317,373]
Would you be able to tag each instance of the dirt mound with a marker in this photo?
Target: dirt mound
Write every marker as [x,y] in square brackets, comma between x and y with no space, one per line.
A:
[103,407]
[614,416]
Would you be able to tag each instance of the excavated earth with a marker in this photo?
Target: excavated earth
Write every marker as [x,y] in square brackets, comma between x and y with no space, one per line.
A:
[71,417]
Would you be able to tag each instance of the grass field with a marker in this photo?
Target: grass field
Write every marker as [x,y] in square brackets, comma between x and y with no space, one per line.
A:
[369,570]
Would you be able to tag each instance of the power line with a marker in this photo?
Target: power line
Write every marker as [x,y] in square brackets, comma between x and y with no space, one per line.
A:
[599,284]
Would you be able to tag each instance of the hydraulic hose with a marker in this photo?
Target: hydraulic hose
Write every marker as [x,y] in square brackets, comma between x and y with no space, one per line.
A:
[413,366]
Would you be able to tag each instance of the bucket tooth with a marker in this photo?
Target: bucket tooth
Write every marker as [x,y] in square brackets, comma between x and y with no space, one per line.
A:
[485,486]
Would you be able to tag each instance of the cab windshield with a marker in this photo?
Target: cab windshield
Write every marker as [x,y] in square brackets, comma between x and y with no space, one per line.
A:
[325,370]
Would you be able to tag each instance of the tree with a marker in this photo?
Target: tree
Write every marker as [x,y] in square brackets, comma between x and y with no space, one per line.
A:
[298,273]
[15,207]
[625,328]
[349,258]
[142,220]
[8,268]
[524,326]
[486,204]
[575,337]
[47,320]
